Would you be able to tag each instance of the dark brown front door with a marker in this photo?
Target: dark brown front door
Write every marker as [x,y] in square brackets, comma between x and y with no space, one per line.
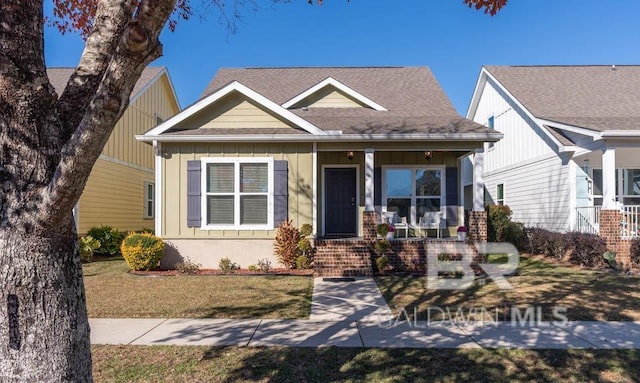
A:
[340,206]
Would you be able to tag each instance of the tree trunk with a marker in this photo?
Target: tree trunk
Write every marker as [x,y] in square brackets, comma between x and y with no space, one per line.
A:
[43,316]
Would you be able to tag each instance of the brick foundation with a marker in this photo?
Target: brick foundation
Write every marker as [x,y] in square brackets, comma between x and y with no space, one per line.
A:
[610,231]
[370,222]
[477,231]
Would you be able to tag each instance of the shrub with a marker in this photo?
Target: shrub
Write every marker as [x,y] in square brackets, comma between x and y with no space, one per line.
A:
[286,244]
[382,246]
[88,245]
[610,258]
[514,233]
[635,252]
[549,243]
[264,265]
[383,229]
[110,239]
[306,230]
[187,266]
[381,263]
[585,249]
[227,266]
[302,262]
[253,268]
[142,251]
[498,218]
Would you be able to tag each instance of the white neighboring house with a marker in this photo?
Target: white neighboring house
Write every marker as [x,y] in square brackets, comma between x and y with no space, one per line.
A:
[571,143]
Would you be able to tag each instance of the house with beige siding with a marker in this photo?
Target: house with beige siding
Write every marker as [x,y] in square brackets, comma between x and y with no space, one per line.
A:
[120,191]
[336,148]
[571,146]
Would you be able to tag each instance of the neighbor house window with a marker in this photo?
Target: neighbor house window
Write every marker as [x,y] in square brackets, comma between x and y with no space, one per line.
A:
[490,125]
[237,193]
[149,199]
[500,194]
[630,186]
[411,192]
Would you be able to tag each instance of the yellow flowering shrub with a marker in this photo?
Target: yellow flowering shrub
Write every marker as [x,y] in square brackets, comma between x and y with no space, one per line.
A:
[142,251]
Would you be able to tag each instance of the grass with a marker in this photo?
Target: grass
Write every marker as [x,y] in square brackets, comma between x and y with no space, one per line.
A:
[282,364]
[114,293]
[587,294]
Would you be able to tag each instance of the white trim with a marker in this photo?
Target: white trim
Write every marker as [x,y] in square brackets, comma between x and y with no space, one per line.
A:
[158,176]
[570,128]
[236,193]
[573,200]
[150,83]
[443,188]
[475,99]
[369,183]
[324,194]
[620,133]
[326,136]
[124,163]
[145,200]
[330,81]
[76,216]
[314,183]
[478,180]
[233,87]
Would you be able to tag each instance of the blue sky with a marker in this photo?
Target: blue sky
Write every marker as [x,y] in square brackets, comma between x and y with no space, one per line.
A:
[445,35]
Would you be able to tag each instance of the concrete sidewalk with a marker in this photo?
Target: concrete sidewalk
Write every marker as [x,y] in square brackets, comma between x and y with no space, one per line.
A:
[313,333]
[354,314]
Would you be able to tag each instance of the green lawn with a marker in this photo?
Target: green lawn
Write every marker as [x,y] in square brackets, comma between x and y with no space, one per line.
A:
[282,364]
[587,295]
[114,293]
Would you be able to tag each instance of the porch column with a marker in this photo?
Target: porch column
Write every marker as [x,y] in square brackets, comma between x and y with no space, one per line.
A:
[608,177]
[368,180]
[478,180]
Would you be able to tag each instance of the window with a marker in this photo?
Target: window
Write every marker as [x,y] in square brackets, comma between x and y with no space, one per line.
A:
[159,120]
[413,191]
[149,199]
[500,194]
[238,193]
[490,125]
[630,186]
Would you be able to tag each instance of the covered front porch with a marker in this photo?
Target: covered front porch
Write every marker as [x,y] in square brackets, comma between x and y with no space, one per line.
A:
[414,186]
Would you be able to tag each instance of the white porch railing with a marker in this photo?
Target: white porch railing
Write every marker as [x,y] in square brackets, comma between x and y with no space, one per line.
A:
[588,219]
[629,221]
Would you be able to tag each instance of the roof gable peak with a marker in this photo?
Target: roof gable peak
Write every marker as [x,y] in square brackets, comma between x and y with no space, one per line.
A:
[342,88]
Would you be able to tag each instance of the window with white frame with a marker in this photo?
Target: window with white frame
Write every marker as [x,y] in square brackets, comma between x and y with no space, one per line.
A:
[237,193]
[627,186]
[412,191]
[149,199]
[500,194]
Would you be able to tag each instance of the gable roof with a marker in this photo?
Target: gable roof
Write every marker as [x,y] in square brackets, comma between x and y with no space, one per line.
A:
[400,103]
[60,76]
[595,97]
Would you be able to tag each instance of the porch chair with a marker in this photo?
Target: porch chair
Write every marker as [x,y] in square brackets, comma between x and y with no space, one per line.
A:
[432,220]
[399,223]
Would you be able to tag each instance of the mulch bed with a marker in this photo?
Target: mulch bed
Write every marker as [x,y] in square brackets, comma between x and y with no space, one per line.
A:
[162,273]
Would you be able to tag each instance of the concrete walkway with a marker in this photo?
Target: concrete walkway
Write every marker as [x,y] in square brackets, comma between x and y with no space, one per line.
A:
[312,333]
[354,314]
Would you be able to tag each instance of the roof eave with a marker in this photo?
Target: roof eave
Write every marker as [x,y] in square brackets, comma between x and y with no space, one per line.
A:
[480,137]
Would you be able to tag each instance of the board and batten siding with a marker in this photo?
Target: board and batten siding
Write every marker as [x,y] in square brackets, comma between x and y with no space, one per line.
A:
[538,191]
[139,117]
[114,195]
[234,111]
[523,139]
[174,188]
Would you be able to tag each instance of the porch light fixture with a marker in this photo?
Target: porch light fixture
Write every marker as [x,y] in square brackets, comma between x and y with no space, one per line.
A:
[350,154]
[428,155]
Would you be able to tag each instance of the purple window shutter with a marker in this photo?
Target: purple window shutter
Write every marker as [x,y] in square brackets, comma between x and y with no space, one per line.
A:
[194,194]
[280,192]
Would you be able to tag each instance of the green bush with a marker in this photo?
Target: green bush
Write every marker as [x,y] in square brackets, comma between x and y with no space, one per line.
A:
[302,262]
[88,245]
[142,251]
[381,263]
[498,219]
[110,239]
[382,246]
[227,266]
[253,268]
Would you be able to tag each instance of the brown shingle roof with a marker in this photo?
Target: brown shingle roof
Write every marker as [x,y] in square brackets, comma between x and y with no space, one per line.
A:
[414,100]
[60,76]
[595,97]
